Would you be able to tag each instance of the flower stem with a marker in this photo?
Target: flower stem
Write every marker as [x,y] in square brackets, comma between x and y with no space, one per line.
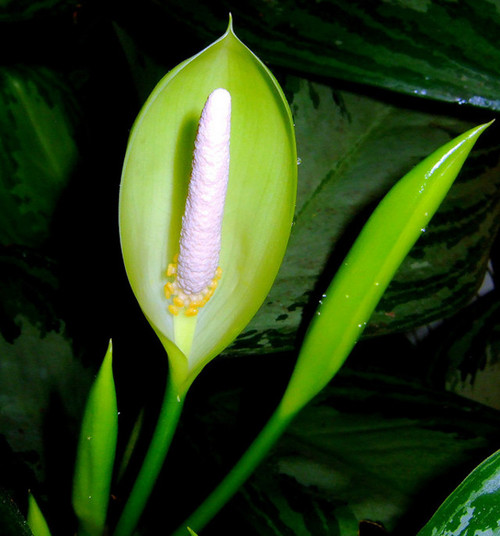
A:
[153,462]
[238,474]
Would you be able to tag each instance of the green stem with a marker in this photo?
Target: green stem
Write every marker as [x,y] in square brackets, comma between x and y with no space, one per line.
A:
[153,462]
[238,475]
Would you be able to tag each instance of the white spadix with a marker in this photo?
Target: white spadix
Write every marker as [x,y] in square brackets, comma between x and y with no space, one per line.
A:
[196,269]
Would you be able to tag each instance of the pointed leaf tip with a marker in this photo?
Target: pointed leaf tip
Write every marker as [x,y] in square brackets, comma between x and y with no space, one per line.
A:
[35,519]
[383,243]
[96,451]
[259,203]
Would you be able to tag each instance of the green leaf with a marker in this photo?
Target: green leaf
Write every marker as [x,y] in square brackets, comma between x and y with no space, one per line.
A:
[353,149]
[38,151]
[96,453]
[41,369]
[259,203]
[385,240]
[29,292]
[12,522]
[468,349]
[15,10]
[473,508]
[368,447]
[428,48]
[35,519]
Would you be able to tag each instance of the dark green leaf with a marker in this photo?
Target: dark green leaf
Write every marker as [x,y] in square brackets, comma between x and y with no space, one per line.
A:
[442,50]
[368,448]
[353,149]
[468,350]
[12,522]
[43,388]
[28,287]
[38,151]
[473,508]
[15,10]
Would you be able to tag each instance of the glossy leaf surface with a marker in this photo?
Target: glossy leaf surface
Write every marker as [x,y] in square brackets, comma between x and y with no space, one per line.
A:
[428,48]
[469,350]
[369,447]
[353,149]
[473,508]
[36,520]
[259,203]
[12,522]
[96,452]
[385,240]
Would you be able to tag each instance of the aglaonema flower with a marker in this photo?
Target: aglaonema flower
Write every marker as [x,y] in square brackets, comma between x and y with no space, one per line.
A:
[203,238]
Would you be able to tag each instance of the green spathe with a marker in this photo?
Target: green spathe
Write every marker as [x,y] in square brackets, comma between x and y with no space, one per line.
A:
[259,204]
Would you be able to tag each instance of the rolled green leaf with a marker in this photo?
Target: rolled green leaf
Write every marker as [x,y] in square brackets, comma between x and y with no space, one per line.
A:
[259,203]
[36,520]
[474,507]
[385,240]
[345,308]
[96,453]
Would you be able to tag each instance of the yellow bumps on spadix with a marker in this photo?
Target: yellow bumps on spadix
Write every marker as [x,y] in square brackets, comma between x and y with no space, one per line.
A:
[254,221]
[196,268]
